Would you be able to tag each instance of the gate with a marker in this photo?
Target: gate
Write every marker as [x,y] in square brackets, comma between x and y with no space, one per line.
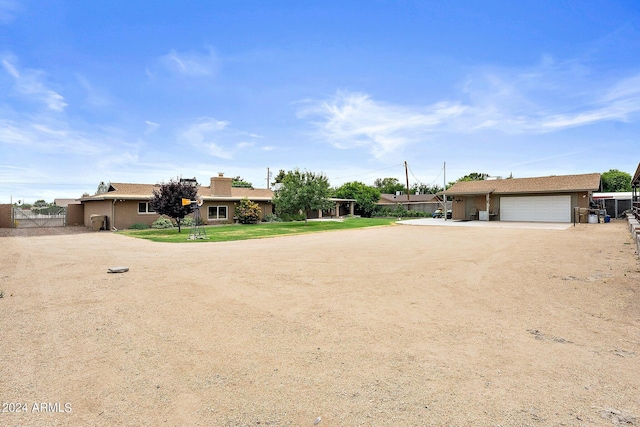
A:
[53,217]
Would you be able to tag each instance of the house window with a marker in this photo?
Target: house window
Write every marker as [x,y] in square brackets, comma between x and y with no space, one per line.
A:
[145,207]
[217,212]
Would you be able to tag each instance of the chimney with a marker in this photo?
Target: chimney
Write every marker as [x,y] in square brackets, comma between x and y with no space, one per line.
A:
[220,186]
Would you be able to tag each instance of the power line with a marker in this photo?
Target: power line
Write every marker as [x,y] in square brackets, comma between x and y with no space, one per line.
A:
[369,172]
[432,182]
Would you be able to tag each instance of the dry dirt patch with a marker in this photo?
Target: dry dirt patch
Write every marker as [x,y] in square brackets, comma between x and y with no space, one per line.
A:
[385,326]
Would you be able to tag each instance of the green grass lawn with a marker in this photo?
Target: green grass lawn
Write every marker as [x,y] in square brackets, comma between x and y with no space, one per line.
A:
[225,233]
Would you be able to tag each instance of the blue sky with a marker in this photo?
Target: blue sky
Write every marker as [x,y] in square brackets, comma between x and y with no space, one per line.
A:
[141,91]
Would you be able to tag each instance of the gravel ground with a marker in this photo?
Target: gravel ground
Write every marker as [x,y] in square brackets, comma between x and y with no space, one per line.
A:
[388,326]
[42,231]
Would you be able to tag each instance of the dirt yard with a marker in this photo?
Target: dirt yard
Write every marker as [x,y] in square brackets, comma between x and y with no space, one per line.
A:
[390,326]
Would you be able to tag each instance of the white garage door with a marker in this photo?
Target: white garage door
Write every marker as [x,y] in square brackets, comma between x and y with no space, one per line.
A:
[536,208]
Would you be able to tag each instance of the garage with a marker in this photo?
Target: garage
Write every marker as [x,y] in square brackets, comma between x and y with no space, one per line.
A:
[536,208]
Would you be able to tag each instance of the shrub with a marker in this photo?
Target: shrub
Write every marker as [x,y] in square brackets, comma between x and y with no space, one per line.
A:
[399,212]
[162,222]
[248,212]
[138,226]
[293,217]
[187,221]
[272,218]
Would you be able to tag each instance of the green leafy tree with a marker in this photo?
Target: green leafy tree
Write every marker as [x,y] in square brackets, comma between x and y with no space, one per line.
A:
[167,200]
[473,176]
[389,185]
[366,197]
[248,212]
[238,182]
[279,178]
[426,189]
[39,206]
[301,192]
[615,181]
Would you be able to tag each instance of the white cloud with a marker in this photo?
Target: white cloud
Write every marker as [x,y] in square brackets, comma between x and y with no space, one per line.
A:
[118,161]
[190,64]
[546,98]
[206,135]
[216,137]
[94,97]
[31,84]
[49,137]
[355,120]
[151,127]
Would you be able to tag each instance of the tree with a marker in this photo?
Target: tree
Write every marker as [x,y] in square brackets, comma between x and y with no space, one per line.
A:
[615,181]
[279,178]
[426,189]
[366,197]
[473,176]
[301,192]
[389,185]
[39,205]
[248,212]
[240,183]
[167,200]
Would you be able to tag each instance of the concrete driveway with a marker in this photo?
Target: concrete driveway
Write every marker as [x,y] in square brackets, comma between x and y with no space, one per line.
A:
[490,224]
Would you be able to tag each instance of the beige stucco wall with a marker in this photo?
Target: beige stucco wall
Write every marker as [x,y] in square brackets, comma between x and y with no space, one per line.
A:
[126,214]
[75,215]
[123,214]
[101,207]
[5,216]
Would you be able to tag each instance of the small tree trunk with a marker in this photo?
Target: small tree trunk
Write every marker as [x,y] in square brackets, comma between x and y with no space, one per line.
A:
[178,222]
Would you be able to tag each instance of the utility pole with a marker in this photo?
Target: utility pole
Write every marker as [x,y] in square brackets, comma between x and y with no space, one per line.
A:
[406,173]
[444,193]
[268,178]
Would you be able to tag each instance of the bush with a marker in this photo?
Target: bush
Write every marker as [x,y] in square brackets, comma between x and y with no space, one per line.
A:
[293,217]
[187,221]
[162,222]
[272,218]
[399,212]
[138,226]
[248,212]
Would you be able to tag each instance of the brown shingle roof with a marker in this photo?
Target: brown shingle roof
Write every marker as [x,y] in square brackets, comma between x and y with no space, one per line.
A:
[392,198]
[545,184]
[118,190]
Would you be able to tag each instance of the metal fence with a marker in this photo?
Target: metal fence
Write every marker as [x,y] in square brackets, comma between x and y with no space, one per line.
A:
[29,219]
[616,208]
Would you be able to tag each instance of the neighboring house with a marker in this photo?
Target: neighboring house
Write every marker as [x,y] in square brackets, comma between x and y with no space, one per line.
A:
[63,203]
[541,199]
[414,202]
[125,204]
